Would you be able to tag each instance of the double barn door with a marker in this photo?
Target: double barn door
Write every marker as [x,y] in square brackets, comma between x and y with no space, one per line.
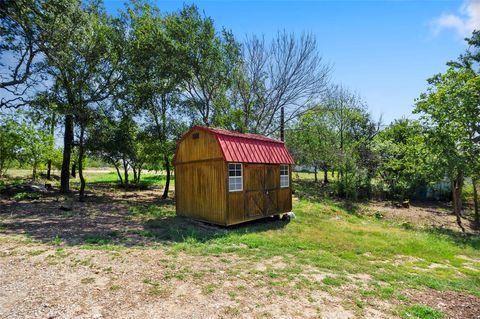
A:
[262,183]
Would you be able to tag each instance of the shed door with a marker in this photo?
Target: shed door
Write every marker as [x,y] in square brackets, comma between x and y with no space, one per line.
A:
[272,183]
[261,189]
[254,181]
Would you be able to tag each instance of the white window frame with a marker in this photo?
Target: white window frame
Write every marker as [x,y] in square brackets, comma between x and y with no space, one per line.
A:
[283,175]
[236,178]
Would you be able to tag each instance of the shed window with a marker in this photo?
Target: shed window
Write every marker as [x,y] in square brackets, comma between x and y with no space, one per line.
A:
[235,179]
[284,178]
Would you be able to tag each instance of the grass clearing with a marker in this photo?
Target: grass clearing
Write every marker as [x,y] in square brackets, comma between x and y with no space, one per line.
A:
[331,239]
[329,251]
[419,311]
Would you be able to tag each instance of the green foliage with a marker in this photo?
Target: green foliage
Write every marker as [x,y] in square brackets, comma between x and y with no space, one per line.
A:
[37,147]
[212,57]
[26,196]
[312,139]
[10,143]
[338,135]
[449,110]
[24,144]
[404,161]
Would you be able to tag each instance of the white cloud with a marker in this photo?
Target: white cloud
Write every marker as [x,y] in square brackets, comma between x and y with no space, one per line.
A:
[467,19]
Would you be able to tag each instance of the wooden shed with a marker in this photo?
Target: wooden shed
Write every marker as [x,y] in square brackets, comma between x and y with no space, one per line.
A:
[226,178]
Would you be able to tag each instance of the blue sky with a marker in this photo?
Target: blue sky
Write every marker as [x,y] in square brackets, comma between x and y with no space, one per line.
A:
[383,50]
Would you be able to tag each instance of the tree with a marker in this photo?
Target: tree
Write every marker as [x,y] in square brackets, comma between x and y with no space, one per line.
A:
[354,131]
[19,46]
[404,160]
[120,142]
[155,79]
[83,51]
[451,111]
[10,143]
[43,111]
[278,81]
[311,140]
[338,134]
[212,58]
[36,147]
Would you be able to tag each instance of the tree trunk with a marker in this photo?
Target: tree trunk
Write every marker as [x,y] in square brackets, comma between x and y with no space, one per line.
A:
[315,173]
[52,132]
[139,173]
[457,186]
[74,170]
[325,176]
[67,152]
[282,124]
[134,175]
[167,182]
[34,171]
[118,173]
[49,169]
[333,173]
[475,202]
[80,164]
[125,171]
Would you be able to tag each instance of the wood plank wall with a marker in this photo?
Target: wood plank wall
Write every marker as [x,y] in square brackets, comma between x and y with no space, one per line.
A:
[200,178]
[203,148]
[200,191]
[254,202]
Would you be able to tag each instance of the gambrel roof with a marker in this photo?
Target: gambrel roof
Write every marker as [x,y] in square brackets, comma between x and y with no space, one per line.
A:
[248,148]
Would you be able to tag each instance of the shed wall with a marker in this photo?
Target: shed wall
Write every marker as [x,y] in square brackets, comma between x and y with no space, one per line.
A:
[202,148]
[200,191]
[261,195]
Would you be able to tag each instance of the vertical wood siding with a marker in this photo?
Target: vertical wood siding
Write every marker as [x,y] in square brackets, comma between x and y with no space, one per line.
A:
[202,148]
[272,185]
[200,191]
[261,195]
[236,207]
[254,190]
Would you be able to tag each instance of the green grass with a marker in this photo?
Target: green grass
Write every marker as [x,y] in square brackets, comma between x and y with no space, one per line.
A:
[146,178]
[327,237]
[324,236]
[87,280]
[208,289]
[26,196]
[155,288]
[17,176]
[152,211]
[332,281]
[419,311]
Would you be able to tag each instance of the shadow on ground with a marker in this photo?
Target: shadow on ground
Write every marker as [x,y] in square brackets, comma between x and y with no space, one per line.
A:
[128,218]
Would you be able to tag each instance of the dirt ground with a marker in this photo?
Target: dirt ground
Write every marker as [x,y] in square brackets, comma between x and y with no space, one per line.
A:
[38,282]
[146,278]
[453,304]
[434,215]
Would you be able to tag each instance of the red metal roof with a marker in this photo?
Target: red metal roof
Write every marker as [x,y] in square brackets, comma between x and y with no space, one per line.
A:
[249,148]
